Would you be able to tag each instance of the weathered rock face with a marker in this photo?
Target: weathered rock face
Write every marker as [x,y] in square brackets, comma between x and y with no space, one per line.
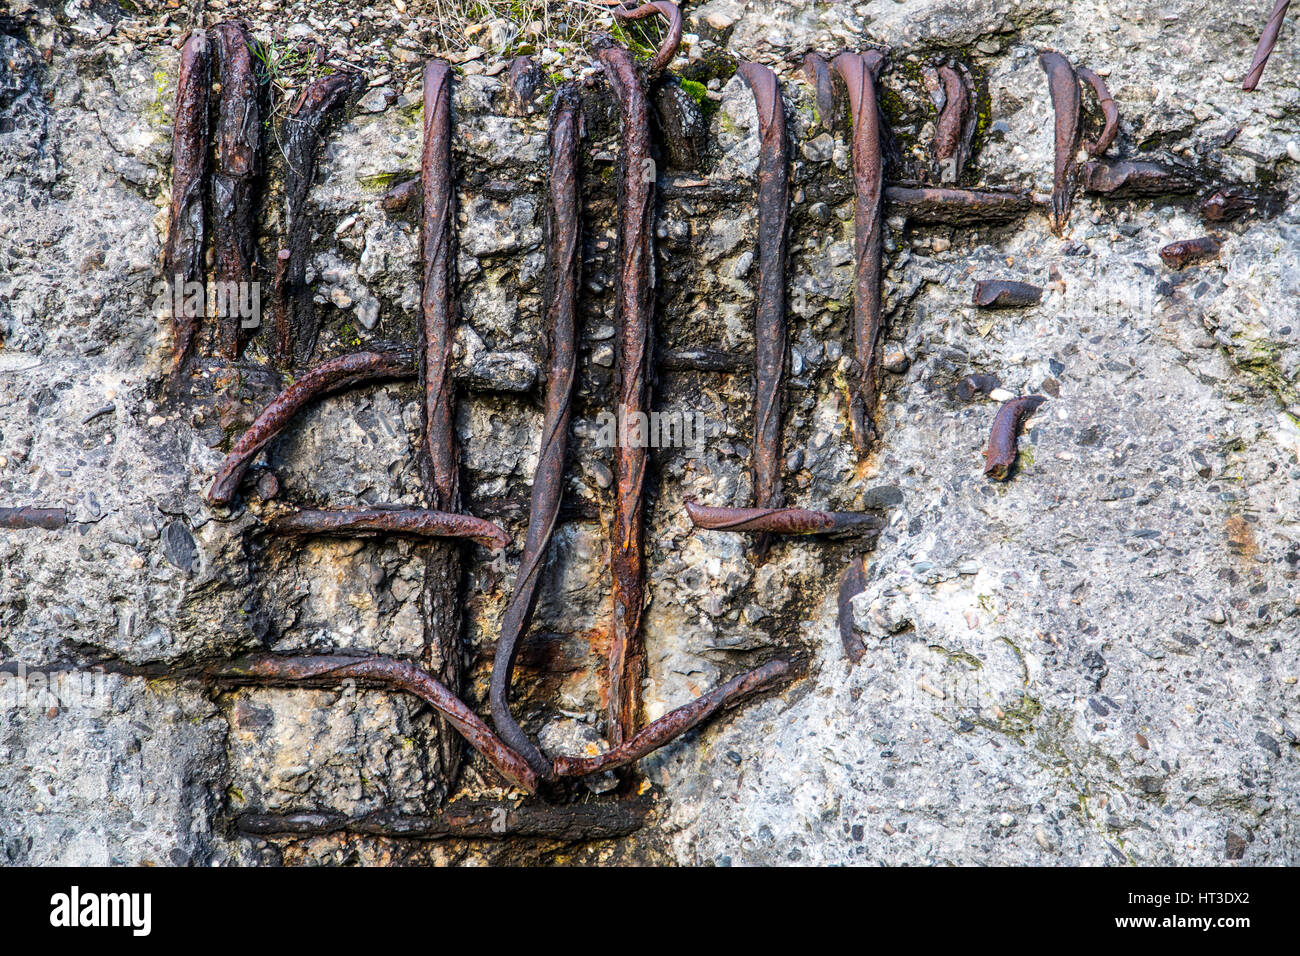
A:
[1094,662]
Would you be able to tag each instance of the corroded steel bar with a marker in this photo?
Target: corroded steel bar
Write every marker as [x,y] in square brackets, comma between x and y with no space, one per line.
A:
[439,456]
[402,197]
[522,81]
[635,314]
[234,177]
[1108,110]
[769,312]
[187,223]
[1185,252]
[859,72]
[388,672]
[675,722]
[1225,205]
[319,101]
[369,522]
[1001,453]
[442,458]
[951,139]
[852,583]
[466,820]
[781,520]
[1267,40]
[283,329]
[1005,294]
[818,72]
[329,376]
[671,13]
[50,519]
[1063,84]
[1134,179]
[959,207]
[563,265]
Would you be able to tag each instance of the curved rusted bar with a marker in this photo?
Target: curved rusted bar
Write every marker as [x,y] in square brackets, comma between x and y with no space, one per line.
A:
[329,376]
[635,315]
[548,481]
[852,583]
[675,722]
[317,103]
[818,72]
[369,522]
[1108,109]
[187,222]
[959,207]
[1063,83]
[951,143]
[860,71]
[1001,453]
[1267,40]
[769,312]
[671,13]
[234,177]
[48,519]
[780,520]
[387,672]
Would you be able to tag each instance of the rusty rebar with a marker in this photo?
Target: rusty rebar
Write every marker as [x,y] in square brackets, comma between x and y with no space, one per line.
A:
[402,198]
[386,672]
[439,456]
[635,316]
[781,520]
[1225,205]
[1109,111]
[49,519]
[329,376]
[1005,294]
[522,81]
[818,72]
[187,220]
[675,722]
[466,820]
[1135,179]
[1186,252]
[282,305]
[1063,84]
[852,583]
[234,176]
[670,12]
[436,301]
[303,130]
[958,207]
[1000,455]
[953,130]
[769,312]
[372,522]
[860,71]
[1267,40]
[563,264]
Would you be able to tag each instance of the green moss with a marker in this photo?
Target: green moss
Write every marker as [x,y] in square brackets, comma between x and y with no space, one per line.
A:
[696,91]
[382,182]
[965,657]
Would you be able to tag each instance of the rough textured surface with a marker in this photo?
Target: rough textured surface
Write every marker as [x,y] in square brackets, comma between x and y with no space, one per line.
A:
[1094,662]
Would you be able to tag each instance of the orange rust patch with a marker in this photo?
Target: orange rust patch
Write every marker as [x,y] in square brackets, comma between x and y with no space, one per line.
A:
[1241,537]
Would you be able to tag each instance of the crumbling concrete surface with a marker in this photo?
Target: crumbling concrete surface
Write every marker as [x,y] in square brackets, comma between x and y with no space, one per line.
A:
[1093,662]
